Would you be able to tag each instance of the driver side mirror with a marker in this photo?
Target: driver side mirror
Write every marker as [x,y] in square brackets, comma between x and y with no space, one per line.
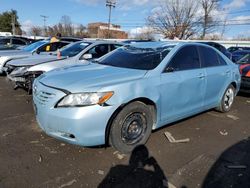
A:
[169,69]
[87,56]
[36,51]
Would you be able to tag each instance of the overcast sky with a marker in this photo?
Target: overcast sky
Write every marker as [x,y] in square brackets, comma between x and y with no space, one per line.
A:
[130,14]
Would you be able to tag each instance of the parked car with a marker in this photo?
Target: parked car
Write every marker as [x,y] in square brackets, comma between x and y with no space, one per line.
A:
[23,72]
[235,48]
[37,47]
[133,90]
[219,47]
[244,64]
[237,55]
[13,42]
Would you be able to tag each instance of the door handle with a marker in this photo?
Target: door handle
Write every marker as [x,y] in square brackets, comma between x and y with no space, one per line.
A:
[201,76]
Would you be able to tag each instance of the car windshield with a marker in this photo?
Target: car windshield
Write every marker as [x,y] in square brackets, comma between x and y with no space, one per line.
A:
[34,46]
[240,52]
[244,60]
[136,58]
[74,49]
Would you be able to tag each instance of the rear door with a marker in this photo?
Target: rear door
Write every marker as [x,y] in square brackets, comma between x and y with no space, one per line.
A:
[218,73]
[182,85]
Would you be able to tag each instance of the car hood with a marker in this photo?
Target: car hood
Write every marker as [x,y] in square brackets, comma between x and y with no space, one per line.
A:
[33,60]
[82,78]
[58,63]
[14,53]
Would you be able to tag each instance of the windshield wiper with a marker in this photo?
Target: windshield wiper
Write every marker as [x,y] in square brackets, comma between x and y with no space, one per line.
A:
[95,61]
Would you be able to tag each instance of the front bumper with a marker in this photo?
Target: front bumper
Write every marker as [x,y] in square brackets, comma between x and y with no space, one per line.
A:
[83,126]
[245,84]
[16,79]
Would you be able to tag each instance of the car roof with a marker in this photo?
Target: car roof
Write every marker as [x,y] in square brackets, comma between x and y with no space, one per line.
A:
[101,42]
[153,45]
[161,44]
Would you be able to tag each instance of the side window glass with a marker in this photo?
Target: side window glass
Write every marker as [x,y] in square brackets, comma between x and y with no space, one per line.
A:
[221,60]
[44,48]
[16,41]
[115,46]
[98,51]
[61,44]
[54,46]
[5,41]
[210,58]
[185,59]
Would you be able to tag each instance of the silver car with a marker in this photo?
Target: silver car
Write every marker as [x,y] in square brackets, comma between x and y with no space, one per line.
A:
[26,70]
[35,48]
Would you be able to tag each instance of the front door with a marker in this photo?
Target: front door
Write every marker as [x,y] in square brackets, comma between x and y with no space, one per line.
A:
[182,85]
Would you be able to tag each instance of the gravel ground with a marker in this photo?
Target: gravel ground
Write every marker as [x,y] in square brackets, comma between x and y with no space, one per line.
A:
[217,154]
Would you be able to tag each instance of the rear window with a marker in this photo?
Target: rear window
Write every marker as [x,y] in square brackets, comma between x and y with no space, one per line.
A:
[136,58]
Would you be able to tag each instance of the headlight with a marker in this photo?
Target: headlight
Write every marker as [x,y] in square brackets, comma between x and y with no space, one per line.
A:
[19,71]
[85,99]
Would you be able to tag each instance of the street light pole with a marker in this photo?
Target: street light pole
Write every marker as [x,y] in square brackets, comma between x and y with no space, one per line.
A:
[44,23]
[13,23]
[111,4]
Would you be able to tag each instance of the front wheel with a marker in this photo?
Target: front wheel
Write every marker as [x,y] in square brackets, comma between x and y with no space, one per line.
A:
[131,127]
[227,99]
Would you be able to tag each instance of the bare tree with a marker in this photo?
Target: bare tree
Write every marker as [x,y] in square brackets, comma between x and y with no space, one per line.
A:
[67,25]
[145,34]
[176,19]
[50,31]
[82,32]
[36,30]
[208,20]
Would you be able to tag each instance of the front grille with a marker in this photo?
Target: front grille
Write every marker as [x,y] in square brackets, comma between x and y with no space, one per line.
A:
[43,97]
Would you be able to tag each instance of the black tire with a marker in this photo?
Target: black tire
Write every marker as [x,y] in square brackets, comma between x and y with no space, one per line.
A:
[131,127]
[227,100]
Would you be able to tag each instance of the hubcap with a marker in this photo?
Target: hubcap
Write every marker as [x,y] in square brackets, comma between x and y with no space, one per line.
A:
[133,128]
[229,98]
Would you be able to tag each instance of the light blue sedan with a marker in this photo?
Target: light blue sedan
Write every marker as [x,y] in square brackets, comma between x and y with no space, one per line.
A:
[133,90]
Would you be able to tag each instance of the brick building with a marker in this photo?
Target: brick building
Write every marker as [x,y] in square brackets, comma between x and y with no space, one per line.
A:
[100,30]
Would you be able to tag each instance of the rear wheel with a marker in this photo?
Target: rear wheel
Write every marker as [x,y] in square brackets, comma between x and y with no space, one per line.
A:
[131,127]
[227,99]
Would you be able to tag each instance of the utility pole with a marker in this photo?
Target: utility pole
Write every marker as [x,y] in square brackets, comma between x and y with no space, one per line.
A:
[44,22]
[111,4]
[13,23]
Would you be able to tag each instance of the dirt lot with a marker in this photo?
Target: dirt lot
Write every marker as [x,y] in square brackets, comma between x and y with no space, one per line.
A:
[217,154]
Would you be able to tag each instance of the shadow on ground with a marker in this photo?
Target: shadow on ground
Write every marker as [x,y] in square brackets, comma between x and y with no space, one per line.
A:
[232,169]
[142,171]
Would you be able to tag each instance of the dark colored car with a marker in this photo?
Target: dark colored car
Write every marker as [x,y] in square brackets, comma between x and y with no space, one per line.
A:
[237,55]
[219,47]
[235,48]
[13,42]
[244,64]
